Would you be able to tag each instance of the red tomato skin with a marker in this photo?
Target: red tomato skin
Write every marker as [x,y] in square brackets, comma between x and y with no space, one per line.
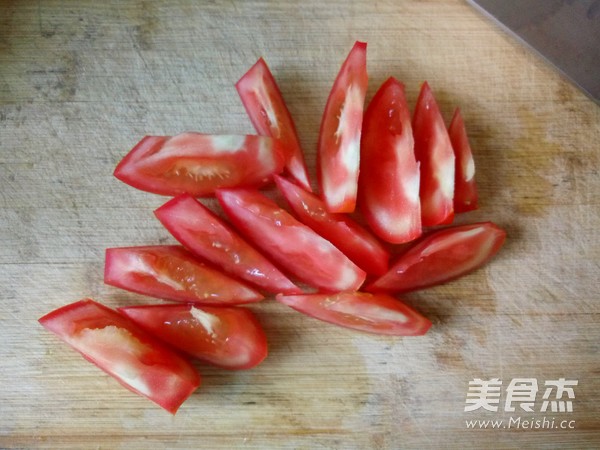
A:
[170,378]
[338,151]
[371,313]
[388,186]
[230,337]
[354,241]
[208,237]
[197,163]
[172,273]
[292,245]
[270,116]
[435,155]
[465,187]
[442,256]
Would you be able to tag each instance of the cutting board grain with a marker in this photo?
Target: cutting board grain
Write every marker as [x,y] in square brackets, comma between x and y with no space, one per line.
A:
[81,82]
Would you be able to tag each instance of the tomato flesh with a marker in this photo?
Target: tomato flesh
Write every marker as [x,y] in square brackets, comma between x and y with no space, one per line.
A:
[291,244]
[373,313]
[208,237]
[270,116]
[465,188]
[228,337]
[338,151]
[354,241]
[442,256]
[171,272]
[197,163]
[434,152]
[123,350]
[388,186]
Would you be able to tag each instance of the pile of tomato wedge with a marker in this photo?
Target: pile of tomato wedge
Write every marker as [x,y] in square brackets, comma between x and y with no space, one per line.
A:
[402,173]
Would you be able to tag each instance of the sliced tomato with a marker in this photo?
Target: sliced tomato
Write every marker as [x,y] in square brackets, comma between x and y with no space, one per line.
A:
[442,256]
[291,244]
[125,351]
[373,313]
[197,164]
[208,237]
[269,115]
[436,157]
[171,272]
[227,337]
[388,186]
[338,152]
[465,188]
[354,241]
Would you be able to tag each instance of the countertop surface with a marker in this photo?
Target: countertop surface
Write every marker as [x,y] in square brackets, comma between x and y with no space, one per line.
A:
[82,82]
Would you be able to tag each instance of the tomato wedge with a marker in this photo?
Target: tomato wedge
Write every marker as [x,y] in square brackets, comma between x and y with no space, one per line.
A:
[228,337]
[208,237]
[269,115]
[197,164]
[126,352]
[171,272]
[354,241]
[442,256]
[291,244]
[388,186]
[338,152]
[373,313]
[465,188]
[436,157]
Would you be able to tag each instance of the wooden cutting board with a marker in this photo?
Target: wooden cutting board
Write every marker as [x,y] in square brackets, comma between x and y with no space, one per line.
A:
[82,82]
